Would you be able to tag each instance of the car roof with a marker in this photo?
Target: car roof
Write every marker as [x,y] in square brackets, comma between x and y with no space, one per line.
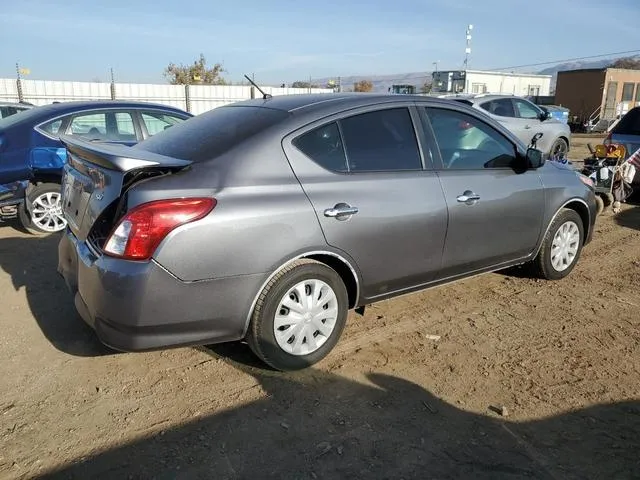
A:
[4,103]
[42,113]
[312,102]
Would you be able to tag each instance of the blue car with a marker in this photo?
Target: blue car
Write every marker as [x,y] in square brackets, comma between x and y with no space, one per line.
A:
[32,156]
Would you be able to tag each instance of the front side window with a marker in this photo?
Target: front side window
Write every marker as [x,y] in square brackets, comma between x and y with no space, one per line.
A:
[526,109]
[502,107]
[157,122]
[467,143]
[383,140]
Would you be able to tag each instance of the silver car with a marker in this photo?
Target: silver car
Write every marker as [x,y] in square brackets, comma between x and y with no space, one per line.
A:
[524,119]
[267,220]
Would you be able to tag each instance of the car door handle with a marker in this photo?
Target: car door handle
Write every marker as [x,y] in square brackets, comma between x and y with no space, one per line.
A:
[528,127]
[468,197]
[340,210]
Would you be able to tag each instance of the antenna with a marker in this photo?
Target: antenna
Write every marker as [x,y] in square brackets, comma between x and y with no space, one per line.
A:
[467,50]
[264,95]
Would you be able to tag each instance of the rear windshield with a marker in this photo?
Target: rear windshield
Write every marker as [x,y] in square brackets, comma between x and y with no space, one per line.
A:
[630,123]
[212,133]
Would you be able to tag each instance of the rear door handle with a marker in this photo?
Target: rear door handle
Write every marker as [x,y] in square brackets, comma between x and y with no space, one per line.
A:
[528,127]
[468,197]
[340,211]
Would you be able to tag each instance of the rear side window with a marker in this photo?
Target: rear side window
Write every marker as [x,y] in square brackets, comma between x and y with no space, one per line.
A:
[52,127]
[212,133]
[381,140]
[502,107]
[324,146]
[630,123]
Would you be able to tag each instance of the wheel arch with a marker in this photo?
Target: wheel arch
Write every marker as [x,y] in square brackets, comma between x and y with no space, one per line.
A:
[335,261]
[577,205]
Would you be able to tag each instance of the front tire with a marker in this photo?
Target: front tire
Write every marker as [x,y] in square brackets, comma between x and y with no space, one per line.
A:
[561,246]
[299,316]
[44,212]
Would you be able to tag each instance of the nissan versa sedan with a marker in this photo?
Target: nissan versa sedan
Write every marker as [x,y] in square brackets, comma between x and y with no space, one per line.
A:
[269,219]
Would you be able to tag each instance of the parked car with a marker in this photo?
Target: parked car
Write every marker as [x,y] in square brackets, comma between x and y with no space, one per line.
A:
[627,133]
[267,220]
[11,108]
[524,119]
[32,156]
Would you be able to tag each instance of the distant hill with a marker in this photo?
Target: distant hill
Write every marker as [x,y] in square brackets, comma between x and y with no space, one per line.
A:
[579,65]
[381,83]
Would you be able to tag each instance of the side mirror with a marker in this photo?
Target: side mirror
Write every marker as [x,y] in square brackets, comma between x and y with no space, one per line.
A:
[545,115]
[535,158]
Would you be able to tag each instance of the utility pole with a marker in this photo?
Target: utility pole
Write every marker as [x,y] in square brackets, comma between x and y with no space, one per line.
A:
[339,84]
[467,50]
[113,85]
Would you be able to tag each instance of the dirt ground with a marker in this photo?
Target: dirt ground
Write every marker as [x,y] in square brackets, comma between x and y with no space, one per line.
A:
[558,361]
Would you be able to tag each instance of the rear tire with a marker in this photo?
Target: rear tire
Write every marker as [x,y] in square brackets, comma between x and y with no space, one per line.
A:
[314,299]
[44,213]
[561,246]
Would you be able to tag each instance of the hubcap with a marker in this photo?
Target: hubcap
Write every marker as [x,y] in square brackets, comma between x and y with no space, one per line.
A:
[560,149]
[306,317]
[46,212]
[565,246]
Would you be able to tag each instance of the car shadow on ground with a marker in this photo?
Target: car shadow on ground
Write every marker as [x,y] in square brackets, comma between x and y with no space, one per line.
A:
[313,424]
[31,262]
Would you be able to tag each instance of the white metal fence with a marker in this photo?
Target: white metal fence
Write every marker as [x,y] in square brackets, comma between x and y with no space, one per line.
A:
[194,98]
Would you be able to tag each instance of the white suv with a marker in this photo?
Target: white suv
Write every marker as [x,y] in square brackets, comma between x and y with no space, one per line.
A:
[524,119]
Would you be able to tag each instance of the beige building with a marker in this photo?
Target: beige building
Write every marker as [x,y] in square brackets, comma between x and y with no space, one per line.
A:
[598,94]
[480,81]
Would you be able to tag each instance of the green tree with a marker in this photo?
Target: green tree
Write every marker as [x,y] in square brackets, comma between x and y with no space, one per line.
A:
[301,84]
[197,73]
[363,86]
[630,63]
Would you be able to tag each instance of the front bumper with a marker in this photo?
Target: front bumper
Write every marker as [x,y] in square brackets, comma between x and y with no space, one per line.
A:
[13,193]
[138,306]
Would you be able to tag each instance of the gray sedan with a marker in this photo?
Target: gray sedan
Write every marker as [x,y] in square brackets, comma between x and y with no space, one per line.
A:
[267,220]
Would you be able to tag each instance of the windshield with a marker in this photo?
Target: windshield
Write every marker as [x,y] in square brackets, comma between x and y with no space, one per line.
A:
[212,133]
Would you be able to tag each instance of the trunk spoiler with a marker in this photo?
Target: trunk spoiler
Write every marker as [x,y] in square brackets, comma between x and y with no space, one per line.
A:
[117,157]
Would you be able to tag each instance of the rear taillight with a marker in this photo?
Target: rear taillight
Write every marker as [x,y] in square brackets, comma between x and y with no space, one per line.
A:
[142,229]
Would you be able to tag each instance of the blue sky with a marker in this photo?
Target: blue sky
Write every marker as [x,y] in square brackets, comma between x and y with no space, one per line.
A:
[283,40]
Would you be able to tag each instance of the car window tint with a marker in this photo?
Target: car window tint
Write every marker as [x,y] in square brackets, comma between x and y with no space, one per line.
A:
[466,142]
[157,122]
[502,107]
[92,126]
[52,127]
[324,146]
[125,128]
[381,140]
[8,111]
[212,133]
[630,123]
[526,109]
